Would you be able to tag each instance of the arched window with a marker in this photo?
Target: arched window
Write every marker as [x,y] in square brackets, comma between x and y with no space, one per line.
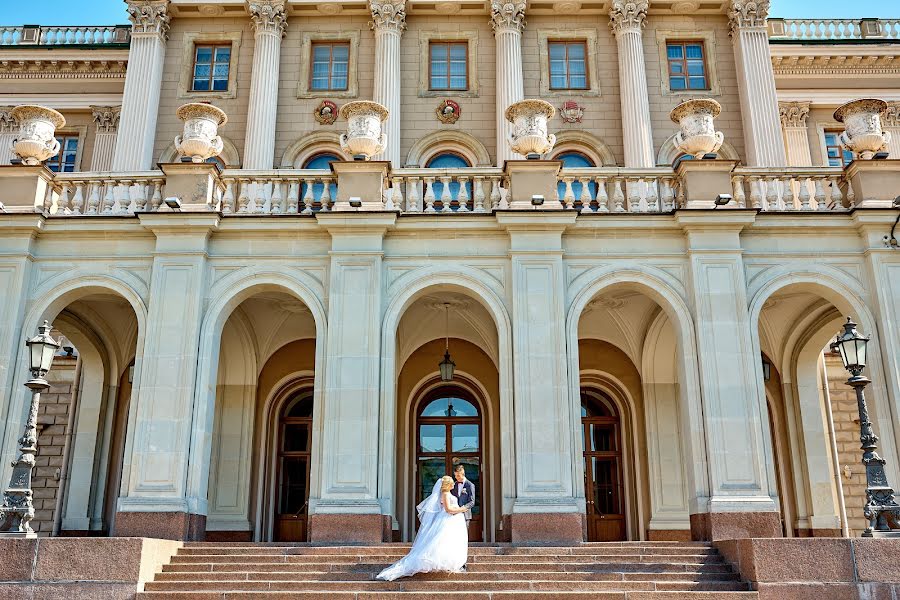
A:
[575,160]
[448,160]
[319,161]
[680,158]
[212,159]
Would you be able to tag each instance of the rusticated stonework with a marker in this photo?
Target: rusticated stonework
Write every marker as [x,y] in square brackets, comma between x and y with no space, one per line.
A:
[268,16]
[149,16]
[625,15]
[388,15]
[508,15]
[793,114]
[748,13]
[106,118]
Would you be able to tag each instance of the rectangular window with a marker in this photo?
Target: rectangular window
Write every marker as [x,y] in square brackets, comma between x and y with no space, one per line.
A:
[64,162]
[687,66]
[212,63]
[448,66]
[330,66]
[838,155]
[568,65]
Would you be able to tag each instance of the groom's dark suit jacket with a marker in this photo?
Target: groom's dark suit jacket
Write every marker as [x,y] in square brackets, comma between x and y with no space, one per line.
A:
[466,498]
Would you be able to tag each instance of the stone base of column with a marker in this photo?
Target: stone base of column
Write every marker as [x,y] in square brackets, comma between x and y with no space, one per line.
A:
[349,528]
[711,527]
[547,528]
[161,525]
[875,182]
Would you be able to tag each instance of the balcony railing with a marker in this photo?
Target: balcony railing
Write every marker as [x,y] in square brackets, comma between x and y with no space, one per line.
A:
[816,189]
[35,35]
[826,30]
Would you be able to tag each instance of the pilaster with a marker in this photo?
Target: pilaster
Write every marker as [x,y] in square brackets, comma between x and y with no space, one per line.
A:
[508,22]
[796,137]
[627,19]
[388,22]
[140,100]
[756,83]
[269,25]
[9,128]
[155,501]
[107,122]
[890,121]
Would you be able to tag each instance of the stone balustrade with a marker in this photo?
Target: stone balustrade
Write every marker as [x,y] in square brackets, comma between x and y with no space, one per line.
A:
[65,35]
[278,192]
[104,193]
[806,30]
[816,189]
[446,191]
[617,190]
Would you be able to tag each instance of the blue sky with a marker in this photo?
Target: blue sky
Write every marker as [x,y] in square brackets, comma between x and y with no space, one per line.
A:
[112,12]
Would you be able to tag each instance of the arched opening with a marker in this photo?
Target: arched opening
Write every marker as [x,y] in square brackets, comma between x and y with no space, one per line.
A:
[313,197]
[574,159]
[448,160]
[603,479]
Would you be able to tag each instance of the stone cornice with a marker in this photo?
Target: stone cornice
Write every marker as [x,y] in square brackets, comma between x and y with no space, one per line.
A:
[388,15]
[48,68]
[747,14]
[268,16]
[627,15]
[508,15]
[837,63]
[793,114]
[106,118]
[149,17]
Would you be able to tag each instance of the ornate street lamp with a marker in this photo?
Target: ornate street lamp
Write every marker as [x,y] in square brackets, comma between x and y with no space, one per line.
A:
[881,510]
[17,509]
[447,366]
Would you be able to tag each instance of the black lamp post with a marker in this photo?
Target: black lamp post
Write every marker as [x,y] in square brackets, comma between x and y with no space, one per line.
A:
[17,509]
[881,510]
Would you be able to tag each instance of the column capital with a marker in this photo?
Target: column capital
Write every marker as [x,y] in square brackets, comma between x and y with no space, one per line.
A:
[890,118]
[149,16]
[793,114]
[106,118]
[747,13]
[508,15]
[388,15]
[627,15]
[8,123]
[268,16]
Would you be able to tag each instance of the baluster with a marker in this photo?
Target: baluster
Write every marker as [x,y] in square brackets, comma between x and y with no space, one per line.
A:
[463,197]
[446,196]
[756,196]
[243,200]
[634,196]
[123,197]
[568,194]
[771,194]
[680,194]
[395,198]
[618,196]
[108,198]
[737,183]
[787,189]
[652,195]
[497,200]
[78,198]
[293,202]
[412,195]
[668,195]
[602,197]
[819,191]
[585,196]
[804,193]
[837,198]
[478,193]
[139,196]
[277,204]
[156,199]
[259,198]
[308,196]
[93,201]
[325,198]
[64,199]
[851,196]
[429,195]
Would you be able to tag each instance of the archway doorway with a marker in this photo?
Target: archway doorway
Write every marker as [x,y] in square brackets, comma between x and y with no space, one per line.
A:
[448,433]
[293,468]
[603,482]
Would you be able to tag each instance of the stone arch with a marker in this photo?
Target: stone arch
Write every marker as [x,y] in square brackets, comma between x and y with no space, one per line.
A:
[449,140]
[229,155]
[573,140]
[309,145]
[668,152]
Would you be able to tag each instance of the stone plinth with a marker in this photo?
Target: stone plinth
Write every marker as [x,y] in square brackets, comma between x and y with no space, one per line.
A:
[365,180]
[23,188]
[547,528]
[876,183]
[711,527]
[349,528]
[529,178]
[704,180]
[193,183]
[162,525]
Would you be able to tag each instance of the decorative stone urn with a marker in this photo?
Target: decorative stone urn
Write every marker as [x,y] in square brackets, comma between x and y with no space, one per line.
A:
[37,130]
[862,126]
[365,122]
[698,135]
[200,139]
[529,136]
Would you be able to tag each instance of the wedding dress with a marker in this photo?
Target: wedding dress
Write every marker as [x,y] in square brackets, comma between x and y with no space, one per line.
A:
[442,543]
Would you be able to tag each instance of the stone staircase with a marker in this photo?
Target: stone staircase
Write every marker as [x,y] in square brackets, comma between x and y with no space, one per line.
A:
[608,571]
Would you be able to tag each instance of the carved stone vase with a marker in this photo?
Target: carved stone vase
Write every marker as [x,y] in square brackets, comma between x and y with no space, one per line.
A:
[862,126]
[200,139]
[365,123]
[698,135]
[529,135]
[36,141]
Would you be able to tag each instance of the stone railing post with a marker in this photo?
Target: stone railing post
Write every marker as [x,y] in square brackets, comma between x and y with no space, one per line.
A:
[796,139]
[508,21]
[107,120]
[388,22]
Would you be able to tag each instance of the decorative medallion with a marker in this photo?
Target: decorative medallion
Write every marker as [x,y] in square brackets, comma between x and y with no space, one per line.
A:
[448,111]
[326,112]
[571,112]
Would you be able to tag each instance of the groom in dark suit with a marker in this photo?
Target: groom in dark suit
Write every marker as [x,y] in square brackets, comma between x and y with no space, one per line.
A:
[464,491]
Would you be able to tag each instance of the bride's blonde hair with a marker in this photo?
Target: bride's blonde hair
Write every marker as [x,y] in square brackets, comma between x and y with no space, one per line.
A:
[446,483]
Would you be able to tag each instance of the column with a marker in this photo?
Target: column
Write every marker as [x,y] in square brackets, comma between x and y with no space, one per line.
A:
[796,137]
[890,122]
[388,22]
[107,120]
[140,100]
[734,411]
[756,83]
[155,500]
[347,509]
[8,131]
[626,18]
[269,24]
[508,21]
[548,507]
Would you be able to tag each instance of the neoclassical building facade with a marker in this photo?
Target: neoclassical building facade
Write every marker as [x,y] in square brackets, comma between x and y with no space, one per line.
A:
[640,336]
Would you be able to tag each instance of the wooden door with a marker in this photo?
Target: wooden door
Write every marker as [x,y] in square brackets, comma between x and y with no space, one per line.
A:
[292,489]
[602,469]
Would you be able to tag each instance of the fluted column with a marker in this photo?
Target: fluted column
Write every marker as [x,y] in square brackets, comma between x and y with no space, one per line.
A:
[891,123]
[626,19]
[796,139]
[269,25]
[140,101]
[508,21]
[756,83]
[9,128]
[107,120]
[388,22]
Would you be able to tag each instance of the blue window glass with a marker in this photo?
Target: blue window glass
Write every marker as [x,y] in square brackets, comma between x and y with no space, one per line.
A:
[212,65]
[575,160]
[838,155]
[448,65]
[330,66]
[448,160]
[449,407]
[64,162]
[687,66]
[568,65]
[320,161]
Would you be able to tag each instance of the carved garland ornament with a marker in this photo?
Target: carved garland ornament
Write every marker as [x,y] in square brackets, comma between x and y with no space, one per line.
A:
[793,114]
[326,112]
[625,15]
[388,15]
[149,16]
[268,16]
[508,15]
[448,111]
[747,13]
[106,118]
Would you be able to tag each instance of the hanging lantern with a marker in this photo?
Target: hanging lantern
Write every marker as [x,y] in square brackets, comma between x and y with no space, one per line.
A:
[447,366]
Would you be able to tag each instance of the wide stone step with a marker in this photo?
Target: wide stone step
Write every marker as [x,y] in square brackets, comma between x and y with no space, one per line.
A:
[633,595]
[473,551]
[476,559]
[561,566]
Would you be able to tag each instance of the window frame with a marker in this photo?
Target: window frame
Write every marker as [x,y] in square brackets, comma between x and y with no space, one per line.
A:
[304,76]
[55,160]
[448,43]
[711,53]
[836,132]
[192,39]
[212,64]
[331,44]
[587,72]
[684,61]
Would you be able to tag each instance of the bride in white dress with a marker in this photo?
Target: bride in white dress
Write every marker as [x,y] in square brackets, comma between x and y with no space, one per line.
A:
[442,543]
